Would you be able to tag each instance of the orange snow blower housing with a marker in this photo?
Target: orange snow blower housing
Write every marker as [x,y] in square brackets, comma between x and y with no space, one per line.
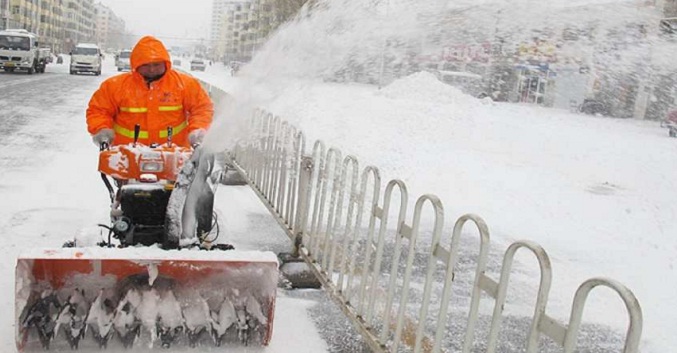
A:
[127,162]
[157,277]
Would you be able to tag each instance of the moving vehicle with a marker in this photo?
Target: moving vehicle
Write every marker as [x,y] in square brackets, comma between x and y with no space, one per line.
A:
[86,57]
[197,65]
[122,60]
[134,288]
[19,50]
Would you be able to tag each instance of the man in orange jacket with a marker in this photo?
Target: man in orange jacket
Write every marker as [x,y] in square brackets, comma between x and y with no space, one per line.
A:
[154,96]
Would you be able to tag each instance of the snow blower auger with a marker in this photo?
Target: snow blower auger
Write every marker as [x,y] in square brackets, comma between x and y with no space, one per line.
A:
[157,277]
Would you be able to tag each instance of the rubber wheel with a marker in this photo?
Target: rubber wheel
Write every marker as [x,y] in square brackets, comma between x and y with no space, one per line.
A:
[31,70]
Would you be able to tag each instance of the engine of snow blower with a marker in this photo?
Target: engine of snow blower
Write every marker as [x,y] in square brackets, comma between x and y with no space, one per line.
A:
[146,177]
[143,207]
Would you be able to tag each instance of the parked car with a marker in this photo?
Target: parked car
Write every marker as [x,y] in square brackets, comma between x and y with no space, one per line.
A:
[197,65]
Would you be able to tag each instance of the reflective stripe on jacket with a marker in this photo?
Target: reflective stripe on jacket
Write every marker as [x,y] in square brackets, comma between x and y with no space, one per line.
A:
[176,100]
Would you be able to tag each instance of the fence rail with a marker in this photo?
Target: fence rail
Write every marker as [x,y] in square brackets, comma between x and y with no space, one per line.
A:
[338,218]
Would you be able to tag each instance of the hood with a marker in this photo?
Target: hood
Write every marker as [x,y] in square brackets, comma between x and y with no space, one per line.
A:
[149,49]
[90,59]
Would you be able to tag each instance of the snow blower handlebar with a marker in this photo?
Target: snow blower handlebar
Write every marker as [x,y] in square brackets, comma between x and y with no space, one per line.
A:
[137,131]
[111,193]
[170,132]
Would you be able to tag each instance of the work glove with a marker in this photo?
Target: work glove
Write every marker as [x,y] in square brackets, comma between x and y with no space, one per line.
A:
[103,135]
[196,136]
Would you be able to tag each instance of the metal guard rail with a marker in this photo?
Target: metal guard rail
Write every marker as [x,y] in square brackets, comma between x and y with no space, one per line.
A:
[320,200]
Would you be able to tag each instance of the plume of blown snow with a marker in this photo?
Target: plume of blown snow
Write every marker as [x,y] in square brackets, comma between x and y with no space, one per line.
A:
[329,40]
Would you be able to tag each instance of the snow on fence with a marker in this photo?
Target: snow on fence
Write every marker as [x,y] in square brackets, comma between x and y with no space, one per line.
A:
[321,200]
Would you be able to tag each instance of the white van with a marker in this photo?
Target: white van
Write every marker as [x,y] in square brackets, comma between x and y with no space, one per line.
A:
[19,51]
[86,58]
[122,60]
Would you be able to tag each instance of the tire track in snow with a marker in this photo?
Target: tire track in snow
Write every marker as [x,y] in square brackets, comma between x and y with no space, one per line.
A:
[31,116]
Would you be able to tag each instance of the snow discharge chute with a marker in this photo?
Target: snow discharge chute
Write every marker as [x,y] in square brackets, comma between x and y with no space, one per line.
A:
[159,278]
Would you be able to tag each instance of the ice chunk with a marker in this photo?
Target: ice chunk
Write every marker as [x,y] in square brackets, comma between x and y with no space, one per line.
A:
[100,318]
[170,318]
[148,312]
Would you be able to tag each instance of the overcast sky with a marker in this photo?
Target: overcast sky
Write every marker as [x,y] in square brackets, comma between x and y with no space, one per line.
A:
[171,20]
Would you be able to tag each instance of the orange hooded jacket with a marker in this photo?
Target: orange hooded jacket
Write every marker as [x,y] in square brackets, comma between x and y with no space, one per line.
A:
[176,100]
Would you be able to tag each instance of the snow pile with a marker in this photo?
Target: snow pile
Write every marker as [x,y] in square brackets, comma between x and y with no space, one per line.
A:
[423,86]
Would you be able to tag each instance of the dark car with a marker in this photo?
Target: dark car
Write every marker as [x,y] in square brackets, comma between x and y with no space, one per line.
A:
[197,65]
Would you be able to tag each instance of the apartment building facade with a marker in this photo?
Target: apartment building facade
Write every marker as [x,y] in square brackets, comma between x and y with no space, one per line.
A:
[110,29]
[240,27]
[233,28]
[61,24]
[50,25]
[215,31]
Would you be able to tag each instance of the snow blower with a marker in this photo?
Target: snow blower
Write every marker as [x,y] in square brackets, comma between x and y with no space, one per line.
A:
[158,276]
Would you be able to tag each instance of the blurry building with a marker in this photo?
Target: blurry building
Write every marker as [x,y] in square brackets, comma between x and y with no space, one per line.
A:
[240,27]
[218,9]
[110,29]
[80,23]
[233,31]
[50,27]
[22,14]
[6,20]
[61,24]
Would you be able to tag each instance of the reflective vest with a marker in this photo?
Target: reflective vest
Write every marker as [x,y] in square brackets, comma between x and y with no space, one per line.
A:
[154,123]
[144,134]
